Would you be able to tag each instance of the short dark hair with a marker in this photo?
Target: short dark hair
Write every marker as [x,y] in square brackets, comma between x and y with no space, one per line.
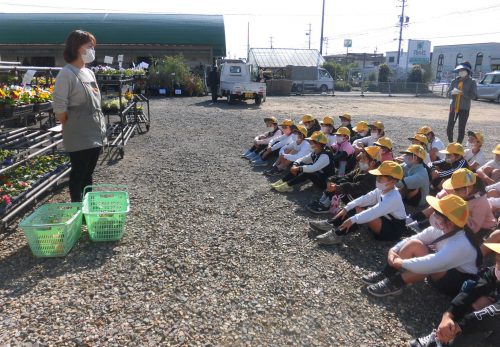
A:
[74,41]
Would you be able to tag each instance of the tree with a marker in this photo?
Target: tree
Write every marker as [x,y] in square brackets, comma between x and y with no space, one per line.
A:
[384,72]
[416,74]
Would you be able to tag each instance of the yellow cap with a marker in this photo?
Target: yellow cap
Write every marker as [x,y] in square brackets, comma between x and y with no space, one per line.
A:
[318,136]
[384,142]
[417,150]
[378,125]
[372,151]
[287,123]
[452,206]
[343,131]
[307,118]
[271,119]
[496,150]
[302,129]
[361,126]
[495,247]
[389,168]
[327,121]
[477,135]
[346,116]
[420,138]
[453,148]
[459,179]
[424,130]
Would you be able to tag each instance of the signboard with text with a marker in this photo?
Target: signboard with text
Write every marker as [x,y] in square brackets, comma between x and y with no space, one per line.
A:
[347,43]
[419,51]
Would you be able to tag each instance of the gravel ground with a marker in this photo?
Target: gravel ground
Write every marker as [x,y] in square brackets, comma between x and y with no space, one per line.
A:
[211,255]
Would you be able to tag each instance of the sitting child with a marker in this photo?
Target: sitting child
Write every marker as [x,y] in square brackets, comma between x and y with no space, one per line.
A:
[260,142]
[473,316]
[291,152]
[376,132]
[342,150]
[328,129]
[382,209]
[441,170]
[464,184]
[414,186]
[275,144]
[361,130]
[447,253]
[310,123]
[346,188]
[317,166]
[385,145]
[474,154]
[345,120]
[435,143]
[489,173]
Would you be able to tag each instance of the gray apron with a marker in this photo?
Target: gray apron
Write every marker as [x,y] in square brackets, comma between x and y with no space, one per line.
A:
[86,126]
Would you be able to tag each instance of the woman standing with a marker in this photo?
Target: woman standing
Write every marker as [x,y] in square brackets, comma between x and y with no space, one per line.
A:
[77,105]
[462,90]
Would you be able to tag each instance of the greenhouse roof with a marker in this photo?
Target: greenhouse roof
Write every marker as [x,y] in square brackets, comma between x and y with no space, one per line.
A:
[115,28]
[282,57]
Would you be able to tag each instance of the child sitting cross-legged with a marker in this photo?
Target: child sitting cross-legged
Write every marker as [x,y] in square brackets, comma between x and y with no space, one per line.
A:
[447,253]
[382,209]
[261,141]
[291,152]
[316,166]
[274,145]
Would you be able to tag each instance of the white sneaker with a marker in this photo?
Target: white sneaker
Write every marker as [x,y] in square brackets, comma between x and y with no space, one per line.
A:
[330,238]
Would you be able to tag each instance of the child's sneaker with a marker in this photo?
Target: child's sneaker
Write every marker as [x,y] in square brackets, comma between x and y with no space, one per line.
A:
[385,287]
[373,277]
[426,341]
[284,188]
[330,238]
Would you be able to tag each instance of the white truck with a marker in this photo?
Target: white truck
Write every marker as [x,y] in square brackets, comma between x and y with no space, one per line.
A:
[236,82]
[309,79]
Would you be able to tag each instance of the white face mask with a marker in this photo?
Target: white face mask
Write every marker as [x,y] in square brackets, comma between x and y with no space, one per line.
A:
[407,160]
[381,186]
[325,130]
[345,123]
[462,73]
[340,139]
[363,133]
[364,166]
[448,160]
[497,273]
[437,223]
[88,56]
[375,135]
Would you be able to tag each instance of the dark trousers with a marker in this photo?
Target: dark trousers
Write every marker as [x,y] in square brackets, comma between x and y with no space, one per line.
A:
[318,178]
[258,148]
[83,164]
[463,116]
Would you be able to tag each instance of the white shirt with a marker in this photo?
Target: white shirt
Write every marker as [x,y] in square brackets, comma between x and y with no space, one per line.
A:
[439,145]
[281,141]
[322,162]
[455,252]
[366,141]
[494,202]
[472,158]
[332,139]
[389,205]
[492,163]
[302,150]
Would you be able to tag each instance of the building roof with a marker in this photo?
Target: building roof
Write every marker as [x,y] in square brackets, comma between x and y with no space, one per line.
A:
[115,28]
[282,57]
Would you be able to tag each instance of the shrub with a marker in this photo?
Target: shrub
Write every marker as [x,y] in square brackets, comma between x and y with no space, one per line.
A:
[384,72]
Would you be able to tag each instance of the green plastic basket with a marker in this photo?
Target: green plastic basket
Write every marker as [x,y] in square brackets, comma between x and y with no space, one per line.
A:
[105,211]
[53,229]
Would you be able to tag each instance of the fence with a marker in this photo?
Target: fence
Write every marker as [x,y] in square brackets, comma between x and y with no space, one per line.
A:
[395,88]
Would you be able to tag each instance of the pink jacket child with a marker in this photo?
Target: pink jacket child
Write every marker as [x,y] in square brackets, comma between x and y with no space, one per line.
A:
[342,150]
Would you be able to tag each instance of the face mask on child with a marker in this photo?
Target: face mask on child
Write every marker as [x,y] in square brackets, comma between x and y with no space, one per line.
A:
[375,135]
[325,130]
[363,133]
[345,123]
[407,160]
[437,223]
[364,166]
[287,131]
[340,139]
[381,186]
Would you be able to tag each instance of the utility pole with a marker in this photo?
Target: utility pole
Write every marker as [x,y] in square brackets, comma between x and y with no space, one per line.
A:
[322,26]
[248,41]
[326,45]
[401,23]
[271,41]
[308,33]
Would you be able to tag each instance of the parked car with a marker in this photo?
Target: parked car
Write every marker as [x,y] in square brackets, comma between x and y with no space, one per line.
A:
[309,79]
[489,87]
[237,83]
